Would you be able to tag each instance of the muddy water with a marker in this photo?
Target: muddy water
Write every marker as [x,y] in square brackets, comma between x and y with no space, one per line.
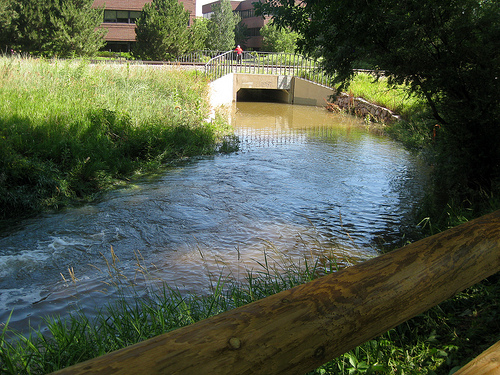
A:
[304,182]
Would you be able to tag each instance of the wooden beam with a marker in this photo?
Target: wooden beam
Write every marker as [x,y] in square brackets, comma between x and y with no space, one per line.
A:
[487,363]
[302,328]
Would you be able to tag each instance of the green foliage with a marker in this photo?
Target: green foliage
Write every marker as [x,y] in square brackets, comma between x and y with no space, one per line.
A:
[241,34]
[445,52]
[199,34]
[162,31]
[6,15]
[75,29]
[415,129]
[438,341]
[53,28]
[278,39]
[114,55]
[397,98]
[222,27]
[71,130]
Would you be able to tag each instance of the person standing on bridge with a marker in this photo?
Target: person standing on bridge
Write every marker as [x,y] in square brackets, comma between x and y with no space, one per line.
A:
[239,53]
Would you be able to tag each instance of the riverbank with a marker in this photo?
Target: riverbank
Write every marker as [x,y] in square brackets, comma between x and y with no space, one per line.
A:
[417,130]
[438,341]
[414,128]
[70,130]
[434,342]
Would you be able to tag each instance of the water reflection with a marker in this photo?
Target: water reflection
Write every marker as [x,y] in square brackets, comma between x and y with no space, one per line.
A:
[306,182]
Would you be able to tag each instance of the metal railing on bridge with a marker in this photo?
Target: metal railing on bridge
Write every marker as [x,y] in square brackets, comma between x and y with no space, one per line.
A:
[266,63]
[200,57]
[219,63]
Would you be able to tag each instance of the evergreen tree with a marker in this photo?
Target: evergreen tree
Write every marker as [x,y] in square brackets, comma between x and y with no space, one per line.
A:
[5,25]
[162,31]
[276,39]
[199,34]
[241,34]
[75,29]
[61,28]
[222,26]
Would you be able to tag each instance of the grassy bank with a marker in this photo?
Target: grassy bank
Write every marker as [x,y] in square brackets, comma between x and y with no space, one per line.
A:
[56,149]
[415,130]
[436,342]
[396,99]
[70,130]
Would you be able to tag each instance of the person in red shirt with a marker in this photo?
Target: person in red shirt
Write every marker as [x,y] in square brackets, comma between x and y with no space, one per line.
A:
[239,53]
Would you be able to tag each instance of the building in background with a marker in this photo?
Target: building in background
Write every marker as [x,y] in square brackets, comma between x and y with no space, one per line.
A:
[119,19]
[249,19]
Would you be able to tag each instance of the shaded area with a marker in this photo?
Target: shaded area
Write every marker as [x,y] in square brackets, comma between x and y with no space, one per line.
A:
[262,95]
[306,182]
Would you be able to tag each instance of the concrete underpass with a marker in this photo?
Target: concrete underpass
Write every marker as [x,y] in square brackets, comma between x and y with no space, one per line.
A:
[236,87]
[263,95]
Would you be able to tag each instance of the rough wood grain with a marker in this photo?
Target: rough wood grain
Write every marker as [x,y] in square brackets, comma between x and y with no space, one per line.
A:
[297,330]
[487,363]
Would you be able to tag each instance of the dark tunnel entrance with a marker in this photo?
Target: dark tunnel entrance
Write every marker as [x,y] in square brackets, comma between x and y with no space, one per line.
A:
[263,95]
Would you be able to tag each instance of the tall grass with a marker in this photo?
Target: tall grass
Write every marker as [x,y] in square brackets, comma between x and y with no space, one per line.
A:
[415,130]
[436,342]
[69,129]
[376,91]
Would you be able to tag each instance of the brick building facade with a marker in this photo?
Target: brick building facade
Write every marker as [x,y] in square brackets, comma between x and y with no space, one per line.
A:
[120,16]
[253,23]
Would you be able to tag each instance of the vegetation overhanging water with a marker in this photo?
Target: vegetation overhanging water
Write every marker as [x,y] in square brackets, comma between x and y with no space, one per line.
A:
[127,314]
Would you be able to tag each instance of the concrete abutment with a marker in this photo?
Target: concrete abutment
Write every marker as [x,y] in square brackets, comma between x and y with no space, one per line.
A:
[289,89]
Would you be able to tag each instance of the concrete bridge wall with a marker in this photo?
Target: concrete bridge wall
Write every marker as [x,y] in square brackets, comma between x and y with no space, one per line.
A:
[288,89]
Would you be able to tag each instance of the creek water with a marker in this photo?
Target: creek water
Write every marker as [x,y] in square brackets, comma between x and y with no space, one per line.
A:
[304,182]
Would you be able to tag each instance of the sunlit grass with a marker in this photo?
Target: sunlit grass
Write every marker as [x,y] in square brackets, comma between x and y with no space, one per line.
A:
[70,129]
[397,99]
[415,129]
[40,88]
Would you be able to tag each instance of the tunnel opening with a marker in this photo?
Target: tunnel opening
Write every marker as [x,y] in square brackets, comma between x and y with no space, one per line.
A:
[263,95]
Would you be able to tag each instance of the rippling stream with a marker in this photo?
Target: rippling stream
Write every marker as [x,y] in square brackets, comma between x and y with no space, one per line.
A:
[305,182]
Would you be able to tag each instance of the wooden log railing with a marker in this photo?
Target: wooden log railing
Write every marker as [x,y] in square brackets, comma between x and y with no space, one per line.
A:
[487,363]
[300,329]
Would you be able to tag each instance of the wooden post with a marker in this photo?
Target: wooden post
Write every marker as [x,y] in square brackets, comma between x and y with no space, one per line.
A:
[297,330]
[487,363]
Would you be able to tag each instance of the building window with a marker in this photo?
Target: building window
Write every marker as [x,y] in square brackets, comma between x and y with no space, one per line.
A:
[247,13]
[208,15]
[134,16]
[121,16]
[110,16]
[254,31]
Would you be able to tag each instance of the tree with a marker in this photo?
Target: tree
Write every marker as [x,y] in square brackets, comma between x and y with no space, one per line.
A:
[222,25]
[277,39]
[199,34]
[5,24]
[446,52]
[76,29]
[162,31]
[61,28]
[241,34]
